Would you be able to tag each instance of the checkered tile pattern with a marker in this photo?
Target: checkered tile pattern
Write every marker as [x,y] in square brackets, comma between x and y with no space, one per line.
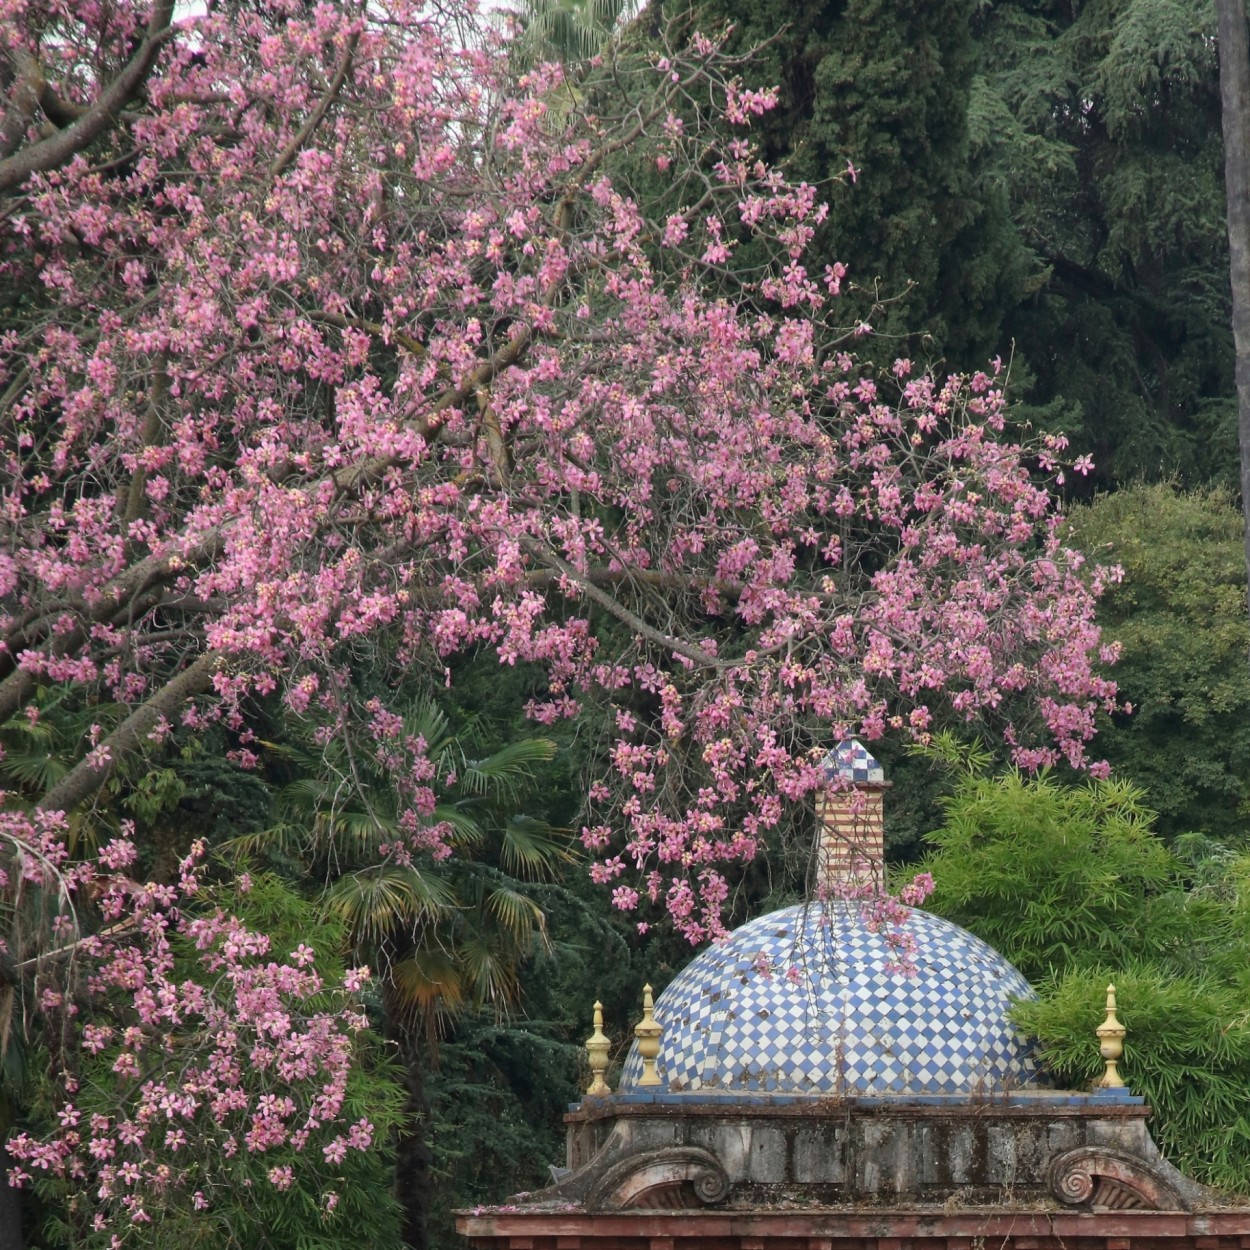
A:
[851,761]
[827,1018]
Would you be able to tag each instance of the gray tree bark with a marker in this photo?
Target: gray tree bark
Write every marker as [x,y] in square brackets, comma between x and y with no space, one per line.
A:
[1235,102]
[93,121]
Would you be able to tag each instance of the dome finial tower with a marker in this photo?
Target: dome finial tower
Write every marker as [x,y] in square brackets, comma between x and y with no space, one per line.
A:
[850,812]
[597,1047]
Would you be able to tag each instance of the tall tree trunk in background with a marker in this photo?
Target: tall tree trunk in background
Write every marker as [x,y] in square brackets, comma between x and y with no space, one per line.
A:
[413,1158]
[10,1207]
[1235,100]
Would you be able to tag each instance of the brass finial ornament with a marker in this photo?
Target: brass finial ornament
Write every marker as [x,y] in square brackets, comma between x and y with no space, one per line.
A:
[648,1034]
[597,1047]
[1111,1044]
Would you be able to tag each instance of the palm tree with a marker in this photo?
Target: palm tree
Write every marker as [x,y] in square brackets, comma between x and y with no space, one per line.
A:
[449,935]
[568,31]
[445,937]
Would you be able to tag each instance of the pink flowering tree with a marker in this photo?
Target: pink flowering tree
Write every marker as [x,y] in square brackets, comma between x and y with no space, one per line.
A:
[336,346]
[205,1074]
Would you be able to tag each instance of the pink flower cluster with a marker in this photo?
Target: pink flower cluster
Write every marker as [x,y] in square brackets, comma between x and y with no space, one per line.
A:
[363,357]
[210,1046]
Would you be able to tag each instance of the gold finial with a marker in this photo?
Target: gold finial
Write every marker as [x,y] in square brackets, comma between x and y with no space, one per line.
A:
[1111,1038]
[597,1047]
[648,1034]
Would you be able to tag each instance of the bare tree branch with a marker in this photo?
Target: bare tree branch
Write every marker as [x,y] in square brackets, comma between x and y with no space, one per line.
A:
[696,655]
[54,151]
[23,101]
[292,149]
[93,770]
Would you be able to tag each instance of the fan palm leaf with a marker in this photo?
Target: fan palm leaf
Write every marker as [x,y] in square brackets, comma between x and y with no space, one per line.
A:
[445,937]
[517,916]
[377,901]
[509,769]
[489,970]
[428,984]
[534,850]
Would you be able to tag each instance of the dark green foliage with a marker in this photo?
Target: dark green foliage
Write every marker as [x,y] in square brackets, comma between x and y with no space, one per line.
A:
[884,87]
[890,95]
[1040,180]
[497,1091]
[1073,885]
[1102,121]
[1180,616]
[495,1100]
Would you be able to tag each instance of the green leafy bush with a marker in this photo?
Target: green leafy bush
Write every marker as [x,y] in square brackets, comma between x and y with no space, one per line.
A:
[1180,618]
[1074,886]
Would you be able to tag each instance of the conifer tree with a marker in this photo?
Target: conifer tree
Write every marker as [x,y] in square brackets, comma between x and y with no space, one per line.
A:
[1040,180]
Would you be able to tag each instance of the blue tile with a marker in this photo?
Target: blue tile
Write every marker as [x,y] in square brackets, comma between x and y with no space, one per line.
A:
[850,760]
[848,1026]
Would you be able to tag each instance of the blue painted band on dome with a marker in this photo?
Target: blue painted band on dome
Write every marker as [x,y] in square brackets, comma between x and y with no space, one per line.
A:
[1042,1099]
[830,1018]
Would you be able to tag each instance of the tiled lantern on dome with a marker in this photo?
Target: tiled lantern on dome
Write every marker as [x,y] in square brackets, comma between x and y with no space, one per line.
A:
[850,816]
[805,1078]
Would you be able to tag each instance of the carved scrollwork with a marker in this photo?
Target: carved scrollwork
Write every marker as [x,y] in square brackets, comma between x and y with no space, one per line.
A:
[671,1179]
[1099,1176]
[712,1185]
[1071,1183]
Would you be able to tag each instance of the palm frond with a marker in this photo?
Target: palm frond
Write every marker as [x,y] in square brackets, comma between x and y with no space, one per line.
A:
[333,816]
[31,731]
[430,980]
[304,796]
[362,830]
[533,850]
[427,720]
[571,30]
[460,817]
[489,973]
[34,769]
[508,769]
[376,901]
[284,838]
[517,915]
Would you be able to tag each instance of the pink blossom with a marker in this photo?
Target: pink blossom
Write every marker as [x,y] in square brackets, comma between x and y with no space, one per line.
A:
[442,385]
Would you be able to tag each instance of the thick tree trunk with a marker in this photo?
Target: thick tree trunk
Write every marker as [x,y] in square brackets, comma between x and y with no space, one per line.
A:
[1235,99]
[89,774]
[100,116]
[413,1160]
[10,1208]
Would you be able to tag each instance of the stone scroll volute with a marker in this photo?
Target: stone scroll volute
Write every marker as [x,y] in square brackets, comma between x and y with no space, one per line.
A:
[676,1178]
[1107,1179]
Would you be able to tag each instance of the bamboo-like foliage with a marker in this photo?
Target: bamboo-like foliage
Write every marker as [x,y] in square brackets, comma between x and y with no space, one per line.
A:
[1073,885]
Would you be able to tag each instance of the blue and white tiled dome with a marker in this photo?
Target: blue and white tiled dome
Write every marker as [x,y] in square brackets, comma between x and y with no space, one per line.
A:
[829,1017]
